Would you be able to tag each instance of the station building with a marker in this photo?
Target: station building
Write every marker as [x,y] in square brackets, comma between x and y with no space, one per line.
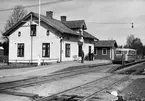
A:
[56,40]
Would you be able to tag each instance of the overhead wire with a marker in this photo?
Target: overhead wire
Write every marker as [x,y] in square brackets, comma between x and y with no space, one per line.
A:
[131,23]
[110,22]
[30,6]
[59,1]
[42,4]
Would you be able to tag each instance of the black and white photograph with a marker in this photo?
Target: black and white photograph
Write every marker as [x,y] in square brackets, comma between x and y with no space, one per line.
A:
[72,50]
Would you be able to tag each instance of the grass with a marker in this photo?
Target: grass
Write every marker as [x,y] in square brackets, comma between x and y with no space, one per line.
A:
[15,65]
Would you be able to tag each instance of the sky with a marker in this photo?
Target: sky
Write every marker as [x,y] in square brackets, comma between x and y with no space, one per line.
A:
[105,19]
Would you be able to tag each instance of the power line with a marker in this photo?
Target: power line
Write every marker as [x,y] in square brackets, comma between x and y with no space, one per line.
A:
[42,4]
[110,22]
[132,24]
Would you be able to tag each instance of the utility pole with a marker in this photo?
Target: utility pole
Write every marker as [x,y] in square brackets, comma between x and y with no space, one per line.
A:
[39,14]
[31,40]
[39,61]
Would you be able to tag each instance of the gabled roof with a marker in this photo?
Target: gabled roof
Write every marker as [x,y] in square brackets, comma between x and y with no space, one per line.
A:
[58,25]
[75,24]
[52,22]
[17,25]
[88,35]
[106,43]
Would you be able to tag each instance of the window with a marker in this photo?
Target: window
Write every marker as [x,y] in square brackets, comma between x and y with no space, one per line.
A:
[67,50]
[20,50]
[45,49]
[124,52]
[131,53]
[19,34]
[104,51]
[121,52]
[118,52]
[33,30]
[47,33]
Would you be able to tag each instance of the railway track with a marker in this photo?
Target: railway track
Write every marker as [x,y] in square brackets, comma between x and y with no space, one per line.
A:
[82,92]
[88,91]
[47,78]
[66,93]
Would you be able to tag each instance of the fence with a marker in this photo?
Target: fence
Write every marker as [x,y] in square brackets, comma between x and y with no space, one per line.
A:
[34,61]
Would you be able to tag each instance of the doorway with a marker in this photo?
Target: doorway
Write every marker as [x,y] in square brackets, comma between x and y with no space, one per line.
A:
[79,50]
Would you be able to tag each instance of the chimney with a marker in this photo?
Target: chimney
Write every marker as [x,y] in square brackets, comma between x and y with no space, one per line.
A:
[49,14]
[63,18]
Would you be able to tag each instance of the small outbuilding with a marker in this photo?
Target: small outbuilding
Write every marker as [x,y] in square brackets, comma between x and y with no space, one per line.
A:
[105,49]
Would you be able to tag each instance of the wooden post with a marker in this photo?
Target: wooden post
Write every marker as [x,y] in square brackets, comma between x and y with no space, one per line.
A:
[123,59]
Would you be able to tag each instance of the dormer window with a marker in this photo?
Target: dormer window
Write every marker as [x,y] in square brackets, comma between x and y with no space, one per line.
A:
[19,34]
[47,33]
[33,30]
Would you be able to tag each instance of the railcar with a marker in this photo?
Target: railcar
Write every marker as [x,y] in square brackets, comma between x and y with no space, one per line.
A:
[124,54]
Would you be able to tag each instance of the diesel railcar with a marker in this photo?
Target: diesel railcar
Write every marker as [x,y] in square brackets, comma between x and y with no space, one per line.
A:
[124,54]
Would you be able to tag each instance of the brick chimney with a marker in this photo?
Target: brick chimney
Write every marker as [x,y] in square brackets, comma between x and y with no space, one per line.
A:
[63,18]
[49,14]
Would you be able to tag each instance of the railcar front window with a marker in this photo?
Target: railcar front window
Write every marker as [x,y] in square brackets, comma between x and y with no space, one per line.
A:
[132,53]
[124,52]
[118,52]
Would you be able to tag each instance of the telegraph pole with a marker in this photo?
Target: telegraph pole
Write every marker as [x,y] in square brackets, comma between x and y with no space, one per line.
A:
[39,61]
[39,15]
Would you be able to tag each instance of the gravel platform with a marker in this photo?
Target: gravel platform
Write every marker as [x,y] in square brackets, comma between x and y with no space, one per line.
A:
[135,90]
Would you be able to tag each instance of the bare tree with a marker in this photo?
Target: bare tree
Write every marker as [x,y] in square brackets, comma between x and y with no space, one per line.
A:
[18,13]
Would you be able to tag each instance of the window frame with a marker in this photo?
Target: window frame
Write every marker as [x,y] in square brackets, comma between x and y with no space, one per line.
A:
[20,49]
[67,50]
[103,51]
[33,27]
[47,32]
[46,49]
[19,33]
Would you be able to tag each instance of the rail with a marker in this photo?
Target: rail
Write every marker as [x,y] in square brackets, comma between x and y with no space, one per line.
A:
[86,98]
[51,77]
[43,79]
[123,66]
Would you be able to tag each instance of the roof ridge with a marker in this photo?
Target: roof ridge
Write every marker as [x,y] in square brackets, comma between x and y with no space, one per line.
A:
[74,20]
[107,40]
[55,23]
[58,21]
